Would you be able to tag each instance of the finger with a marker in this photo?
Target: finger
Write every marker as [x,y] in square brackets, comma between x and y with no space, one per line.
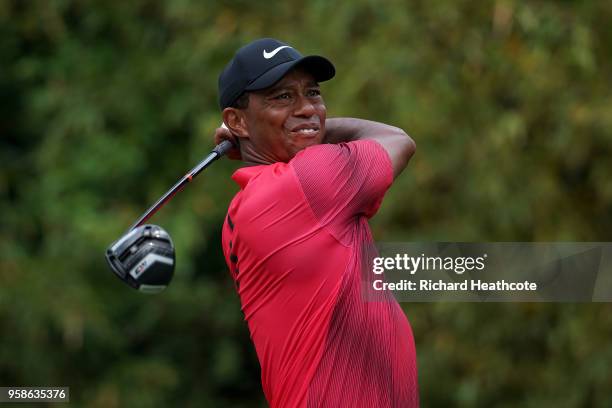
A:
[222,134]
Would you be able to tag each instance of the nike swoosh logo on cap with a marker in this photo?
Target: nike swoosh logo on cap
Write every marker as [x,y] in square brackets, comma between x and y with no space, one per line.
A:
[268,55]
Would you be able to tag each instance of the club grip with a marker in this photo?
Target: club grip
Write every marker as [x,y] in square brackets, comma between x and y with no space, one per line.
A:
[223,147]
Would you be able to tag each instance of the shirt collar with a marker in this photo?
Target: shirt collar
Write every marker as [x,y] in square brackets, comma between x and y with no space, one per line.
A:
[243,175]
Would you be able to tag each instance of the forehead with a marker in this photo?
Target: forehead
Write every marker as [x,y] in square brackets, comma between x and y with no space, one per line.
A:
[295,77]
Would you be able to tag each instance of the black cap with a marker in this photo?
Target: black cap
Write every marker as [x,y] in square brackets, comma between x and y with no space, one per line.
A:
[261,64]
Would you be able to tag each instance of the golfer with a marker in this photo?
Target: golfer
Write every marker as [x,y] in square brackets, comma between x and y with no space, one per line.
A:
[295,233]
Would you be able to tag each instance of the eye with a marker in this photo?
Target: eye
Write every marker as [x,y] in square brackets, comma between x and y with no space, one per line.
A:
[314,92]
[283,96]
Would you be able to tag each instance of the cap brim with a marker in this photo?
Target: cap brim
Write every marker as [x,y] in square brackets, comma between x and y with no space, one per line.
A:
[318,66]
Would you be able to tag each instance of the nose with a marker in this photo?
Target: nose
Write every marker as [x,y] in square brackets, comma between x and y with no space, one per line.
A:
[304,107]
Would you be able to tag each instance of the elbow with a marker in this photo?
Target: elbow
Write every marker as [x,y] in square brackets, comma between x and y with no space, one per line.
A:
[408,144]
[411,149]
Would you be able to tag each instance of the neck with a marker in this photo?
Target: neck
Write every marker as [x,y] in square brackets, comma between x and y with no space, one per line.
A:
[251,157]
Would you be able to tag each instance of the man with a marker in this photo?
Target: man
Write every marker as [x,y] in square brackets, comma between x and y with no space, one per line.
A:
[295,233]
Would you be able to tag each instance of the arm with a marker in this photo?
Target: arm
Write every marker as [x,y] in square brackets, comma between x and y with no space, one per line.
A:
[399,146]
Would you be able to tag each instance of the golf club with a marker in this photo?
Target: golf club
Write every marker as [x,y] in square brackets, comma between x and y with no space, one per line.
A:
[144,256]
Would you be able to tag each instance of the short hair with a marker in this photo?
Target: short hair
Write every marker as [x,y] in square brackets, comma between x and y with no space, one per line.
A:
[242,102]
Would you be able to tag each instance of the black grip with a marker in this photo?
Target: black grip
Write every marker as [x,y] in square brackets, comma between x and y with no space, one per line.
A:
[223,147]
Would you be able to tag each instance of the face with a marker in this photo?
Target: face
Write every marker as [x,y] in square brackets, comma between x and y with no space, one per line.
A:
[285,118]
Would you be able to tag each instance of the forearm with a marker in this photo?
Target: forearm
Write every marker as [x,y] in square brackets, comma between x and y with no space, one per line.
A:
[338,130]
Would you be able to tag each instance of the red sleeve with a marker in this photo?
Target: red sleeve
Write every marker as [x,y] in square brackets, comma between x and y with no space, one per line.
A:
[344,180]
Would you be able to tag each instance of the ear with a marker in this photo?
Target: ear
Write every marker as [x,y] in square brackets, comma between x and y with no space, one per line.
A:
[235,120]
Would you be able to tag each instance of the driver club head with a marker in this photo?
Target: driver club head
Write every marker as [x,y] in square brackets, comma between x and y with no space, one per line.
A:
[143,258]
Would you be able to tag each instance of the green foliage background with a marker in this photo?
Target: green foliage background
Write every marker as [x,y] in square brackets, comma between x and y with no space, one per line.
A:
[103,105]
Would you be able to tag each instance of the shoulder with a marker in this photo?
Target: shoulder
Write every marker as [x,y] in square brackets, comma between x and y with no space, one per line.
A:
[341,158]
[333,152]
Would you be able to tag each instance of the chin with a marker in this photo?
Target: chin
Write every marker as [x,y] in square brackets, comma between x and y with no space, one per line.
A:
[295,149]
[307,143]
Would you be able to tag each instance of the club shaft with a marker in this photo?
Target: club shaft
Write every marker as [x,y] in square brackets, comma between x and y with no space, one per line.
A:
[217,152]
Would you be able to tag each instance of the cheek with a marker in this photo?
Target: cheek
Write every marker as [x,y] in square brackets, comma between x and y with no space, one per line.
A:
[322,110]
[267,129]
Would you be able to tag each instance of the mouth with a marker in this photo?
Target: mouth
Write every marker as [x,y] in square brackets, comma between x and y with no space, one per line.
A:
[307,130]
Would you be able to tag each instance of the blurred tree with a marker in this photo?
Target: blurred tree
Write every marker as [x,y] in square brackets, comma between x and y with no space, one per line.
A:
[103,105]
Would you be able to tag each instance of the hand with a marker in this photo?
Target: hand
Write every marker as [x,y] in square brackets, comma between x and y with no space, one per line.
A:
[222,133]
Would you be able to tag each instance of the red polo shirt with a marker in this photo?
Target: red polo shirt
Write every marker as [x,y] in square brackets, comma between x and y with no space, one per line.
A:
[293,240]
